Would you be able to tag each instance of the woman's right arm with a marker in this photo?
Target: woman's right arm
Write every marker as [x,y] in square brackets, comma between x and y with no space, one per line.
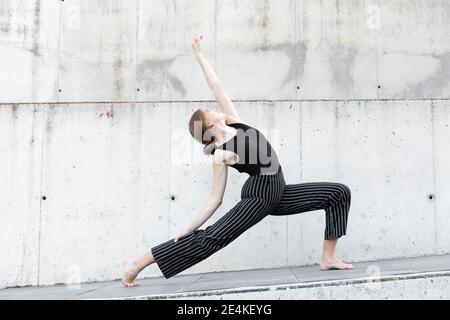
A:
[210,75]
[220,173]
[214,84]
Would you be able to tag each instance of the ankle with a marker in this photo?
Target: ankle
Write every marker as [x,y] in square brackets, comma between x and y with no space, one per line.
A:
[133,266]
[328,257]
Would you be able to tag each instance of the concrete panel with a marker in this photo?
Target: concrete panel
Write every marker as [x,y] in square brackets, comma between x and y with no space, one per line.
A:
[441,135]
[20,186]
[166,68]
[384,152]
[413,49]
[97,51]
[57,292]
[28,50]
[433,286]
[82,50]
[105,180]
[239,279]
[259,55]
[340,50]
[374,274]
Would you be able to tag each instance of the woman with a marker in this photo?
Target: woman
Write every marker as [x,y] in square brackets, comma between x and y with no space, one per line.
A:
[233,143]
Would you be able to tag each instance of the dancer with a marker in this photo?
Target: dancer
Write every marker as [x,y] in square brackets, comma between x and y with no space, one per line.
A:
[233,143]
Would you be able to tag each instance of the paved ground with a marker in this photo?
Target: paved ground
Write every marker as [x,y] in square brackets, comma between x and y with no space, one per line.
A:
[191,285]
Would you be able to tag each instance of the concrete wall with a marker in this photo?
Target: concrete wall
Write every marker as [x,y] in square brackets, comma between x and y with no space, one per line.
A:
[96,96]
[105,50]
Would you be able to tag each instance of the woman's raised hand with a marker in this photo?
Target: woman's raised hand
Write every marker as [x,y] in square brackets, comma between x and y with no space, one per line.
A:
[197,44]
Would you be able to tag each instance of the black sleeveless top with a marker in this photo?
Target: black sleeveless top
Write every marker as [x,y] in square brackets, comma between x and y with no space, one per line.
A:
[256,155]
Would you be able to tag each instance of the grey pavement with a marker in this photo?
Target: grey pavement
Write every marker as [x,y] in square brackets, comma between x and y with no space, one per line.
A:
[202,284]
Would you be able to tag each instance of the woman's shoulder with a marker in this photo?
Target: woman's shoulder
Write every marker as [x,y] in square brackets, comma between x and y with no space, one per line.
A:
[233,121]
[239,124]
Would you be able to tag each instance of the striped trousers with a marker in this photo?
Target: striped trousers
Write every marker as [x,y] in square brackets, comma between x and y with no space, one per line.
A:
[261,195]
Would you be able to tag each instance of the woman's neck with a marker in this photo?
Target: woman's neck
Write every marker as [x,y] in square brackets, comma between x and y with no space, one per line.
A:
[224,133]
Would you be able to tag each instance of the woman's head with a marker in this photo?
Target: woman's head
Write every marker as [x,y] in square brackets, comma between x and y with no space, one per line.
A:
[201,127]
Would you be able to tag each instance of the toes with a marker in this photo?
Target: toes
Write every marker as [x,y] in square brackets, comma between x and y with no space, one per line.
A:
[130,284]
[125,283]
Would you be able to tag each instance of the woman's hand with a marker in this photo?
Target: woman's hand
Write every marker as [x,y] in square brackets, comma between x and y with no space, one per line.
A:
[181,235]
[197,44]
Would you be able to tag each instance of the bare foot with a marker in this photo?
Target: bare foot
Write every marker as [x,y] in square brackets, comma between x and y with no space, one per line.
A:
[130,272]
[334,264]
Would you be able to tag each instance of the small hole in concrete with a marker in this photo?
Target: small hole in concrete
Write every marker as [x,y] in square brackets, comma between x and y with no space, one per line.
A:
[59,90]
[379,87]
[172,197]
[431,196]
[44,198]
[137,89]
[298,88]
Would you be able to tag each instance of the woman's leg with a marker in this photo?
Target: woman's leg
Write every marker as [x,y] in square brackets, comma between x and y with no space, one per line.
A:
[329,259]
[335,199]
[174,257]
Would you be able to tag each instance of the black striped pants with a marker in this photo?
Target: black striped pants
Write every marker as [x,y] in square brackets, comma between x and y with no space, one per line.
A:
[261,195]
